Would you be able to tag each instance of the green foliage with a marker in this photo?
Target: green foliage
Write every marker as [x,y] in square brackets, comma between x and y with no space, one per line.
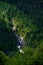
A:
[7,38]
[27,16]
[29,58]
[38,55]
[3,58]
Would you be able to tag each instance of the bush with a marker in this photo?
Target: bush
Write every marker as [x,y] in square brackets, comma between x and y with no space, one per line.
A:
[3,58]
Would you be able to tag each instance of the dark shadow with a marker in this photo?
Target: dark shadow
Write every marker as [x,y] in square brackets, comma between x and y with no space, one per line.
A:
[7,39]
[29,7]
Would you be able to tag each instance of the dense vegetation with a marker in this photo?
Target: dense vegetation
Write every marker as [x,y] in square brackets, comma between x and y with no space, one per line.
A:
[27,17]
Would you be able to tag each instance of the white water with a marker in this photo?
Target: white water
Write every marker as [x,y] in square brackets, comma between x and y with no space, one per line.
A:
[20,39]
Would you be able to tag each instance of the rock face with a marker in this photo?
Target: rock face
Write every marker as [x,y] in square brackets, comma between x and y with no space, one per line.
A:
[19,45]
[19,40]
[21,51]
[14,28]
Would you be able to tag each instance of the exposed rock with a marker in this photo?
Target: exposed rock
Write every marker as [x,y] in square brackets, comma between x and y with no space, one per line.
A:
[21,51]
[14,28]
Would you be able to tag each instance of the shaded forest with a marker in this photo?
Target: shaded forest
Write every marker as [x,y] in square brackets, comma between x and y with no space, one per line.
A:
[27,17]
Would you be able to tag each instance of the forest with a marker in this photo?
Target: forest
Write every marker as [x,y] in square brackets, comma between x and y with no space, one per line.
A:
[27,17]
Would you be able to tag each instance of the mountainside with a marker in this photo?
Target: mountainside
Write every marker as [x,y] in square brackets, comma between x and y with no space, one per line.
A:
[27,18]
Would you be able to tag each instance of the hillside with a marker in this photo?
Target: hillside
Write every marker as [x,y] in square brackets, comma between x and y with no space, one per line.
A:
[27,17]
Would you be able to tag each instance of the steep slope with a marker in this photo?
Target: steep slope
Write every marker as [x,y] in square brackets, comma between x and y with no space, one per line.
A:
[27,17]
[27,26]
[7,39]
